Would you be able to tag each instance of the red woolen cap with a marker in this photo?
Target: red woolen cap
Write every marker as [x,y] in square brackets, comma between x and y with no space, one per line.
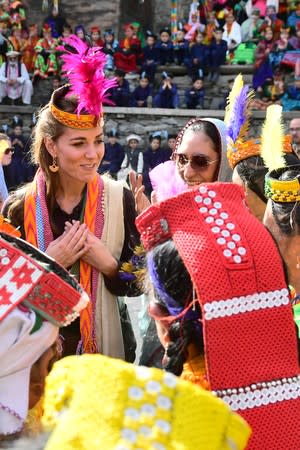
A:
[249,332]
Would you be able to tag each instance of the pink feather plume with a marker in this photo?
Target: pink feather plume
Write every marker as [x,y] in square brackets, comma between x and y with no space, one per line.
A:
[166,181]
[84,68]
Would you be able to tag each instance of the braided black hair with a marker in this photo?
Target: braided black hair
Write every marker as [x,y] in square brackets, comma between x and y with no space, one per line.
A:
[177,283]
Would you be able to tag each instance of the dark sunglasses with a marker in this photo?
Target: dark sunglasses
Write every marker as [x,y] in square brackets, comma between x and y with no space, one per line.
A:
[9,150]
[198,162]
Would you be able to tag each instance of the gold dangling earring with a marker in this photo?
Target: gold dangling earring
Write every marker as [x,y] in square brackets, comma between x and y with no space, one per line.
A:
[54,167]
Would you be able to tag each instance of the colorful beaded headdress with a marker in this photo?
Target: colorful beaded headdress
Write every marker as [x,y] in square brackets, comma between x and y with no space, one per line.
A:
[30,277]
[237,118]
[84,67]
[100,402]
[272,154]
[248,328]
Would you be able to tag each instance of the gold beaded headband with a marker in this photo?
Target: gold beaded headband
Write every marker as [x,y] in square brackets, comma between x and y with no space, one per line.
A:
[284,191]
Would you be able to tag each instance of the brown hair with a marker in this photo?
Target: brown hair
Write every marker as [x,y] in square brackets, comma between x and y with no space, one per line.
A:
[46,126]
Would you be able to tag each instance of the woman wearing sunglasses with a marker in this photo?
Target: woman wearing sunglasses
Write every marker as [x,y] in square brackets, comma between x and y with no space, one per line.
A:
[6,152]
[199,157]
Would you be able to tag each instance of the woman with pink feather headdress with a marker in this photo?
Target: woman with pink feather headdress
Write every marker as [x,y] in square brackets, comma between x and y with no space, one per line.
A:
[81,219]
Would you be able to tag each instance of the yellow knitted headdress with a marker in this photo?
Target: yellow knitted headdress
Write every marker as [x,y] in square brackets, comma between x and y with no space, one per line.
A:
[95,402]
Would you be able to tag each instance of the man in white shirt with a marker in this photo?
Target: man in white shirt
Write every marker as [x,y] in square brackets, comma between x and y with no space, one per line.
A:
[14,79]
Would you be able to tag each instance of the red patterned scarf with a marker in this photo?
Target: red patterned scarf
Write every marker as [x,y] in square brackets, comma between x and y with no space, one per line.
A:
[39,233]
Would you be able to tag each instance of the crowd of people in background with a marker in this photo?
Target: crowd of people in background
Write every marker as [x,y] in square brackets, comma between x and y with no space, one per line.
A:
[264,34]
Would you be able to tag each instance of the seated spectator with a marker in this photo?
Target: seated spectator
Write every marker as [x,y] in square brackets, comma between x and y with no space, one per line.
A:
[232,33]
[194,97]
[96,38]
[113,155]
[16,172]
[5,14]
[250,27]
[294,18]
[281,46]
[110,46]
[271,20]
[14,79]
[48,45]
[3,43]
[167,96]
[120,94]
[138,32]
[28,53]
[216,55]
[6,152]
[80,32]
[153,156]
[150,56]
[295,40]
[225,92]
[133,159]
[193,27]
[262,66]
[17,14]
[40,66]
[171,143]
[15,39]
[181,47]
[198,58]
[129,50]
[56,22]
[211,26]
[165,47]
[291,99]
[269,93]
[142,95]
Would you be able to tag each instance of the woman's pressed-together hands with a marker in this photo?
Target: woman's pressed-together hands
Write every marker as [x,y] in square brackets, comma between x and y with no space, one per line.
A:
[78,242]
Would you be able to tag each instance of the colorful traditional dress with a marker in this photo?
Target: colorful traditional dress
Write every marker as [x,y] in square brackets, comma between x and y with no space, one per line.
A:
[109,211]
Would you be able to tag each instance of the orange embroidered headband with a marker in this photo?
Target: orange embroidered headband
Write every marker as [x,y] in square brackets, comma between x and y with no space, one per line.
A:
[80,122]
[251,147]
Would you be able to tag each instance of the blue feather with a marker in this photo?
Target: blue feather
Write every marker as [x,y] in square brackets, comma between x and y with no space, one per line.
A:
[239,114]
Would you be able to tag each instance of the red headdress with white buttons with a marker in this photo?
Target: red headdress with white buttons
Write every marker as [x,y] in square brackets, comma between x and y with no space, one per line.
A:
[249,333]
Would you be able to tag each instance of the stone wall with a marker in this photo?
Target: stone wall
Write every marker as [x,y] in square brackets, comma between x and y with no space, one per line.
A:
[104,13]
[142,121]
[153,14]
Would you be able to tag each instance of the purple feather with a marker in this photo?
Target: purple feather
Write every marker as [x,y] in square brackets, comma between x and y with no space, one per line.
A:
[239,114]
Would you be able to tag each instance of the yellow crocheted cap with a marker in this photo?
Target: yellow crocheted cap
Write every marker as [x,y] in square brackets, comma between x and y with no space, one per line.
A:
[95,402]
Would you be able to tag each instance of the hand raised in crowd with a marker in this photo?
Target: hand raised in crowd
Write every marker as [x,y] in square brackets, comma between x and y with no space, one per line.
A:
[70,246]
[137,188]
[96,253]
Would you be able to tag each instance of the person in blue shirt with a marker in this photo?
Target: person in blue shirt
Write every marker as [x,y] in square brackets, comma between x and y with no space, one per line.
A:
[194,97]
[153,156]
[167,96]
[181,47]
[150,56]
[217,55]
[165,47]
[120,94]
[294,17]
[142,95]
[113,155]
[198,57]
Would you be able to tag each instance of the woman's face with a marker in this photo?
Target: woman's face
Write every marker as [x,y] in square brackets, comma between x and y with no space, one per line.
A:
[197,144]
[7,154]
[79,153]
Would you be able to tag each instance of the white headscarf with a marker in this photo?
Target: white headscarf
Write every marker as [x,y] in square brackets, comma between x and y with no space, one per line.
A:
[20,348]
